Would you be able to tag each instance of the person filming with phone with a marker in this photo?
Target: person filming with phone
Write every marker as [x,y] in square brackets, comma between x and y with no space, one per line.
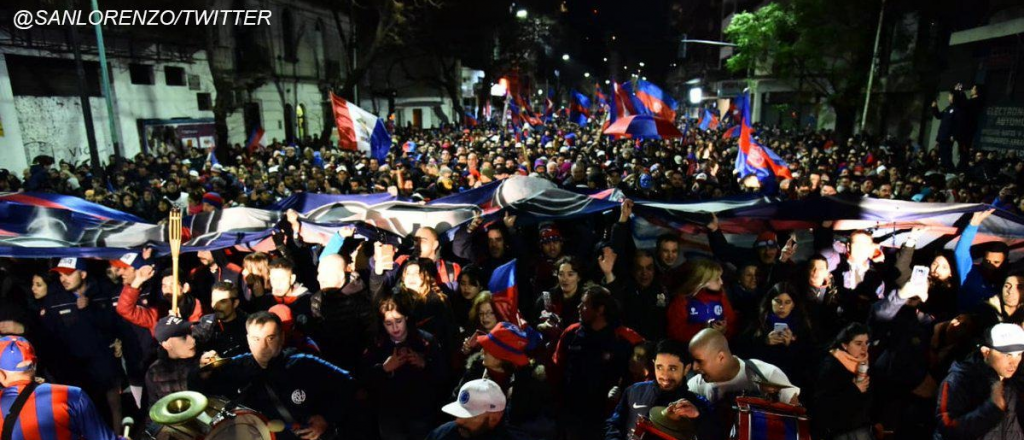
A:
[781,335]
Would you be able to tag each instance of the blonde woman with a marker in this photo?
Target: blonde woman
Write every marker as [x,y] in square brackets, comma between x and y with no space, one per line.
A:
[700,302]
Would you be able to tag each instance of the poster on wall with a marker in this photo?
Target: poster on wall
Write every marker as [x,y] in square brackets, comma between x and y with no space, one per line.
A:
[162,136]
[1001,127]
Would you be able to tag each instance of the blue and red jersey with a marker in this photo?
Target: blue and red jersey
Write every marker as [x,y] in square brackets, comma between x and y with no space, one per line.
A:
[55,412]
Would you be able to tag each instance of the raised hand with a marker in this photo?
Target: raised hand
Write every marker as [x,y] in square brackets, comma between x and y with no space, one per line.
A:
[627,210]
[713,224]
[980,217]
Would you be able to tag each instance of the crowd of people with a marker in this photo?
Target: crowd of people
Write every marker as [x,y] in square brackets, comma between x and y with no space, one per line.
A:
[354,338]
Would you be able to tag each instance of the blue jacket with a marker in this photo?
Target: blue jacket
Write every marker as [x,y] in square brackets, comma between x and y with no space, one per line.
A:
[638,400]
[974,290]
[965,409]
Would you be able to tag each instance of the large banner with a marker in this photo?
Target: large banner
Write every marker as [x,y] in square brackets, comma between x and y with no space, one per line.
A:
[46,225]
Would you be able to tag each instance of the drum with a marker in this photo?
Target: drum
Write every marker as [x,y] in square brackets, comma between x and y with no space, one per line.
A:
[188,415]
[760,419]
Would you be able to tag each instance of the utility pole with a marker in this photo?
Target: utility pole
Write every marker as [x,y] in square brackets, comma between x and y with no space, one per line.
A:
[115,132]
[874,66]
[83,94]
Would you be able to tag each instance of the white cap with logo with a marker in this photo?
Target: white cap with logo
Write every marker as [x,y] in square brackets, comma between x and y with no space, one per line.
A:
[1006,338]
[477,397]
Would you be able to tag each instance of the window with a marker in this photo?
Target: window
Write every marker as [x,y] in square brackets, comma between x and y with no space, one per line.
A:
[289,122]
[252,117]
[288,36]
[204,101]
[174,76]
[38,76]
[141,74]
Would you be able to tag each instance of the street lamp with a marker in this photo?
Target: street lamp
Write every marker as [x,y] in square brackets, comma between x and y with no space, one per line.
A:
[696,95]
[641,64]
[522,14]
[540,93]
[498,90]
[606,82]
[565,57]
[606,59]
[586,74]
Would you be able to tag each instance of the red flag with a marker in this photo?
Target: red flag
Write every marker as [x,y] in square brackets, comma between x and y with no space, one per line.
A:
[343,120]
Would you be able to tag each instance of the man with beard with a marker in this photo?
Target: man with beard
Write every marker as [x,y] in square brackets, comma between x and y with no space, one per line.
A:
[978,282]
[73,314]
[668,388]
[500,247]
[223,331]
[593,356]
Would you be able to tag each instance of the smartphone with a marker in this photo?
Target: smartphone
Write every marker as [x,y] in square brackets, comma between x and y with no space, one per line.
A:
[920,275]
[387,253]
[781,326]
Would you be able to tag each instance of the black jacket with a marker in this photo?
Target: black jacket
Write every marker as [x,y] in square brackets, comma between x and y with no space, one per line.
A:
[643,309]
[421,390]
[344,322]
[637,402]
[838,405]
[303,384]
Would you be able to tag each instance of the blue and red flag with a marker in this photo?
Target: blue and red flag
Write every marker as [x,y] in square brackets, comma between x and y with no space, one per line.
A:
[469,120]
[602,99]
[526,111]
[505,292]
[650,99]
[409,147]
[754,158]
[708,120]
[579,110]
[731,132]
[255,139]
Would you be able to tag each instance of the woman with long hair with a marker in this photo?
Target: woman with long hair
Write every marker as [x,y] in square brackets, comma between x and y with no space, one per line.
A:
[404,366]
[841,407]
[559,306]
[471,283]
[428,306]
[781,333]
[700,302]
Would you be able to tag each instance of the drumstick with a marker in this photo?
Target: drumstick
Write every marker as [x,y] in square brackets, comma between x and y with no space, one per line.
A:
[174,237]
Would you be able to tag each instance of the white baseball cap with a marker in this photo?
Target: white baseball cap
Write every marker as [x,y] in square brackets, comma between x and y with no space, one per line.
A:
[1007,338]
[477,397]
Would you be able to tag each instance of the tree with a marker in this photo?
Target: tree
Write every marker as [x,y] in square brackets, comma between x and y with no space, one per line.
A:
[375,26]
[819,45]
